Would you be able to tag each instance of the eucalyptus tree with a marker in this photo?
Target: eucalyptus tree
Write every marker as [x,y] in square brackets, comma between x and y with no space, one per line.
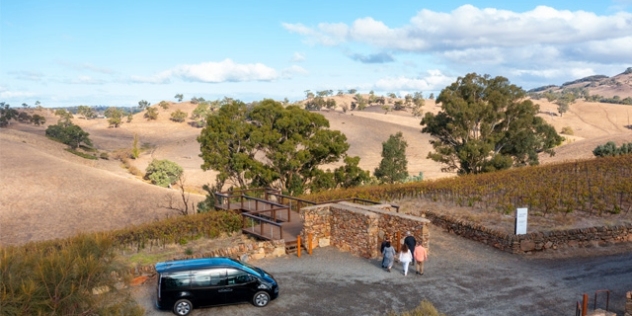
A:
[487,124]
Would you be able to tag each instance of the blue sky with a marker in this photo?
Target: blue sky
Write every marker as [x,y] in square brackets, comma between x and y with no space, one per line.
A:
[65,53]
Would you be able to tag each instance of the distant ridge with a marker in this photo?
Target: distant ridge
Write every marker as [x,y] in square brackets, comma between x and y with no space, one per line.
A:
[607,87]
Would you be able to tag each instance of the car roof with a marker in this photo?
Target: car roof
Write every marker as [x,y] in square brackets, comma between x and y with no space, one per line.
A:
[194,264]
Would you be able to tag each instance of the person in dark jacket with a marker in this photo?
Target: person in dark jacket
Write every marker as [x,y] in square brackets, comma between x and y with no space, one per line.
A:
[410,242]
[384,242]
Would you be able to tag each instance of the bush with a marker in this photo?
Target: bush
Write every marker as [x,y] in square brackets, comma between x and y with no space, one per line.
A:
[610,149]
[163,172]
[210,225]
[151,114]
[69,134]
[80,154]
[178,116]
[567,130]
[59,277]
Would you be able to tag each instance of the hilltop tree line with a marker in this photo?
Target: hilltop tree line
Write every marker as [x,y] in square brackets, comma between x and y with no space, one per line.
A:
[485,124]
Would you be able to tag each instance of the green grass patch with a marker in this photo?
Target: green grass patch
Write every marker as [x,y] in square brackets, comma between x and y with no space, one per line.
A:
[82,154]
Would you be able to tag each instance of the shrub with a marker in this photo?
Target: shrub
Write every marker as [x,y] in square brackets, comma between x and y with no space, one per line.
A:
[135,149]
[567,130]
[38,120]
[59,277]
[163,172]
[69,134]
[178,116]
[80,154]
[610,149]
[151,114]
[164,105]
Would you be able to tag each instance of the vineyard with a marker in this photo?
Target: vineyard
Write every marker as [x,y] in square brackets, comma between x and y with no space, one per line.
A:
[595,186]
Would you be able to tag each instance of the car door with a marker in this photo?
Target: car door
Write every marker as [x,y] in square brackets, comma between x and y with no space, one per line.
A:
[240,286]
[208,286]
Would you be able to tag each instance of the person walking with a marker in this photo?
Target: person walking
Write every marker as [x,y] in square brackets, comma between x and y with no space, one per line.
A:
[388,256]
[383,245]
[420,255]
[405,257]
[410,242]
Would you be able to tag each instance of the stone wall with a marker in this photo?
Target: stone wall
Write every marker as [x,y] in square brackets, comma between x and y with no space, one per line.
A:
[535,241]
[253,250]
[359,229]
[628,304]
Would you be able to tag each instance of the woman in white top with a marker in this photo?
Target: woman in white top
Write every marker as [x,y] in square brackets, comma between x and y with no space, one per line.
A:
[405,257]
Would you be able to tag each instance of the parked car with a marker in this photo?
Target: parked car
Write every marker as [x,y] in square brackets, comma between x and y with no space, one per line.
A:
[187,284]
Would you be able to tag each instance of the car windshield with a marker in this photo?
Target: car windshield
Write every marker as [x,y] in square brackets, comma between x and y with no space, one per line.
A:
[254,269]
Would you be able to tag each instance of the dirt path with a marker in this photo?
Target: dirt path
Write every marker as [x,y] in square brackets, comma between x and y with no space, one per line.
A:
[462,278]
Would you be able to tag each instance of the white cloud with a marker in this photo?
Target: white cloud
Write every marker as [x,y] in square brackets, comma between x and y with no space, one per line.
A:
[293,70]
[544,41]
[433,81]
[298,57]
[27,75]
[213,72]
[7,94]
[85,66]
[85,80]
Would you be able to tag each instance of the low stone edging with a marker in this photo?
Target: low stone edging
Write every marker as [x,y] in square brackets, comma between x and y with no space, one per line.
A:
[254,250]
[534,241]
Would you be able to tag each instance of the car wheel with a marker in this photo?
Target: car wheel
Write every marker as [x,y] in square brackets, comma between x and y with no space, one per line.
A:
[261,299]
[182,307]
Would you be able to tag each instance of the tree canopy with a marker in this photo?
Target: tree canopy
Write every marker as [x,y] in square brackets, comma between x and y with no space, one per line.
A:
[274,144]
[69,134]
[163,172]
[487,124]
[393,167]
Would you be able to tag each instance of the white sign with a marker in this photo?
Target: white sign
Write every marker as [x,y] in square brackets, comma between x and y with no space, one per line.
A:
[521,221]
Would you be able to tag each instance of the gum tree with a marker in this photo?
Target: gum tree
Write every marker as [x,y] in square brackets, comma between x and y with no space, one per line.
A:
[487,124]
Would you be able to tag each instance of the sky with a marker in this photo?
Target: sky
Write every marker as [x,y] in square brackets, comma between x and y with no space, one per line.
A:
[116,53]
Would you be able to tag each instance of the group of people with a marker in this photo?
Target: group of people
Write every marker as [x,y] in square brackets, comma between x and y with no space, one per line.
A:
[410,251]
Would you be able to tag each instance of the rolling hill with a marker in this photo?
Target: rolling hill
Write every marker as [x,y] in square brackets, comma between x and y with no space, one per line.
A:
[47,192]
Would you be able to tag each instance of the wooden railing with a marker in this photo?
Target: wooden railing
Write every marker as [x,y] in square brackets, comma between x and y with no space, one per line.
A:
[299,203]
[264,218]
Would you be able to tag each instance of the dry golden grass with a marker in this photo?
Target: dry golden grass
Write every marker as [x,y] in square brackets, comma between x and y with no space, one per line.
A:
[46,192]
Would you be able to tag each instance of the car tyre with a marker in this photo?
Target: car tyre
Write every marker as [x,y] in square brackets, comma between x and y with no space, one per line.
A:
[182,307]
[261,299]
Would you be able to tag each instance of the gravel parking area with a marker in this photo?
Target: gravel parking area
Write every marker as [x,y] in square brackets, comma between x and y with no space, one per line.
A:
[462,277]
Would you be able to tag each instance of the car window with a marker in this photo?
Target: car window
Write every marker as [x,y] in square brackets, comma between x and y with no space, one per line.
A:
[210,277]
[235,276]
[177,280]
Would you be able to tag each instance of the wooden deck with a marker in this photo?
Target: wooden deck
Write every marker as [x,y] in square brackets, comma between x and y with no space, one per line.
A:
[270,215]
[263,218]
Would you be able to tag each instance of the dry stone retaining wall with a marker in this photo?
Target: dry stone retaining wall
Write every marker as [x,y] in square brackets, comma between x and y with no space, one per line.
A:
[359,229]
[244,251]
[535,241]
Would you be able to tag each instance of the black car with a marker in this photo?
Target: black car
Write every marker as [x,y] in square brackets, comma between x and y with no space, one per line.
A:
[187,284]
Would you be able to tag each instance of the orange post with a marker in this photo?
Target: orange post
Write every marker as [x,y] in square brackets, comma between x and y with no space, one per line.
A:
[585,304]
[298,246]
[398,236]
[309,244]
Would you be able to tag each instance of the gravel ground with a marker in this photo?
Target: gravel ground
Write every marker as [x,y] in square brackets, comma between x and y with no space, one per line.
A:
[462,277]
